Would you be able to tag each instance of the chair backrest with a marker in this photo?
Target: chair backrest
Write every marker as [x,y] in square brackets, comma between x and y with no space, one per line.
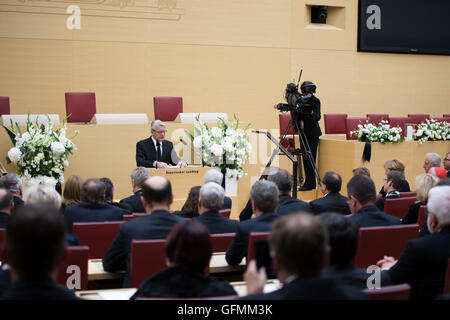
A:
[418,118]
[221,241]
[447,279]
[446,115]
[225,213]
[167,108]
[379,196]
[147,258]
[442,119]
[375,118]
[398,207]
[395,292]
[334,123]
[376,242]
[408,194]
[252,239]
[128,217]
[98,236]
[81,106]
[422,216]
[284,119]
[4,106]
[351,124]
[400,121]
[73,269]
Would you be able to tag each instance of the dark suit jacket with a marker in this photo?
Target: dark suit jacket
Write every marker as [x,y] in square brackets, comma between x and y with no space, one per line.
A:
[125,207]
[371,216]
[311,122]
[146,153]
[413,213]
[45,289]
[86,212]
[332,202]
[311,288]
[226,203]
[239,247]
[216,223]
[17,202]
[290,205]
[156,225]
[380,202]
[135,202]
[423,264]
[353,276]
[3,219]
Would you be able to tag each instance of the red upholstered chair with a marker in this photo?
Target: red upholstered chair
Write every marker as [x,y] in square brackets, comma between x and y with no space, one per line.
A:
[98,236]
[81,106]
[167,108]
[441,119]
[221,241]
[147,258]
[446,115]
[375,118]
[408,194]
[75,260]
[225,213]
[128,217]
[447,279]
[400,121]
[422,216]
[379,196]
[418,118]
[289,142]
[254,237]
[398,207]
[351,124]
[334,123]
[376,242]
[4,106]
[395,292]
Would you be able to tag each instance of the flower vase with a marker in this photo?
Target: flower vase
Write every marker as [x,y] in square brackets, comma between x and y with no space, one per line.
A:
[231,186]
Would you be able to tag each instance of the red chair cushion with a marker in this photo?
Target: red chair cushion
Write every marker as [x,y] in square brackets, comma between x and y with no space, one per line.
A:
[253,237]
[98,236]
[147,258]
[418,118]
[4,106]
[225,213]
[74,258]
[221,241]
[375,118]
[352,124]
[81,106]
[334,123]
[398,207]
[167,108]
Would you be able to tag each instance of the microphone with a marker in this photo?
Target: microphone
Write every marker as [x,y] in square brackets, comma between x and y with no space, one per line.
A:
[185,143]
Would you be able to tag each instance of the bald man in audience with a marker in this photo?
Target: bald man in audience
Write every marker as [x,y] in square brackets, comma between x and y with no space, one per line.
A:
[6,206]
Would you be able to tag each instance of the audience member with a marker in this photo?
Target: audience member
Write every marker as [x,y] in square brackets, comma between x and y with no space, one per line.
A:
[109,197]
[156,197]
[444,182]
[188,251]
[438,172]
[92,207]
[431,160]
[190,207]
[299,245]
[35,237]
[72,191]
[138,178]
[361,200]
[395,165]
[13,184]
[264,198]
[446,162]
[332,200]
[209,203]
[361,171]
[392,185]
[424,183]
[424,261]
[6,206]
[214,175]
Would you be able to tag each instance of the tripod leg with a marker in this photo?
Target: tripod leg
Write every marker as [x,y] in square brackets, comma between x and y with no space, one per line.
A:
[310,156]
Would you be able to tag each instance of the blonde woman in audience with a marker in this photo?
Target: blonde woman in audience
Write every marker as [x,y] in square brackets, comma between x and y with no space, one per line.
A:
[395,165]
[72,191]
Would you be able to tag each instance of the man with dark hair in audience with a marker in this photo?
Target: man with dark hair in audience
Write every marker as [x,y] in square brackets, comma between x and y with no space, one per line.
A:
[332,200]
[109,197]
[392,185]
[299,245]
[156,197]
[361,171]
[6,206]
[209,203]
[343,239]
[13,183]
[361,201]
[264,198]
[92,207]
[424,261]
[214,175]
[138,178]
[35,241]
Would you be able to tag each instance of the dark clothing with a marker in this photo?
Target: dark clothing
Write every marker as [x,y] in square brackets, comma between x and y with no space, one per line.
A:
[247,212]
[423,264]
[146,153]
[311,288]
[288,205]
[3,220]
[448,174]
[424,230]
[239,247]
[183,282]
[353,276]
[216,223]
[17,202]
[125,207]
[227,202]
[184,214]
[413,213]
[331,202]
[405,188]
[45,289]
[72,240]
[156,225]
[87,212]
[135,202]
[390,195]
[5,280]
[371,216]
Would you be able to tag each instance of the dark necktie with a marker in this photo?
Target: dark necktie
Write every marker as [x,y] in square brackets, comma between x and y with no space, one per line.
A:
[158,151]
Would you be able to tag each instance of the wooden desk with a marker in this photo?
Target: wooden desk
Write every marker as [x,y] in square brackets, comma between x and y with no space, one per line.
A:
[96,271]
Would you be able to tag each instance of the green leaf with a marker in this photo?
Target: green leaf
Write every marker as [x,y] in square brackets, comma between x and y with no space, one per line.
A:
[189,134]
[11,134]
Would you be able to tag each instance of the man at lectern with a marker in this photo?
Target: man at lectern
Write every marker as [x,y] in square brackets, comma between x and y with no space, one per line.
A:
[156,152]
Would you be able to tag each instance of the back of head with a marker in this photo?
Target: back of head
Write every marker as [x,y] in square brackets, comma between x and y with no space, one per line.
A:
[363,189]
[93,192]
[332,181]
[42,194]
[395,165]
[35,240]
[157,190]
[343,238]
[6,199]
[283,179]
[12,182]
[213,175]
[299,242]
[109,188]
[191,205]
[439,203]
[264,193]
[189,244]
[361,171]
[212,195]
[424,183]
[72,190]
[434,158]
[139,176]
[397,178]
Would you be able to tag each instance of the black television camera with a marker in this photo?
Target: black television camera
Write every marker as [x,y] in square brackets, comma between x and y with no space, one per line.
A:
[296,101]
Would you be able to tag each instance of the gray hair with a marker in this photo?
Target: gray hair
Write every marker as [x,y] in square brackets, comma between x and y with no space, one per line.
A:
[157,123]
[435,159]
[12,182]
[40,194]
[283,179]
[213,175]
[139,175]
[439,203]
[264,194]
[212,196]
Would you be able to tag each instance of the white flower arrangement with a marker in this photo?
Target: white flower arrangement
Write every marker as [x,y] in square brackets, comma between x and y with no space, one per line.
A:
[432,130]
[224,146]
[40,152]
[383,133]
